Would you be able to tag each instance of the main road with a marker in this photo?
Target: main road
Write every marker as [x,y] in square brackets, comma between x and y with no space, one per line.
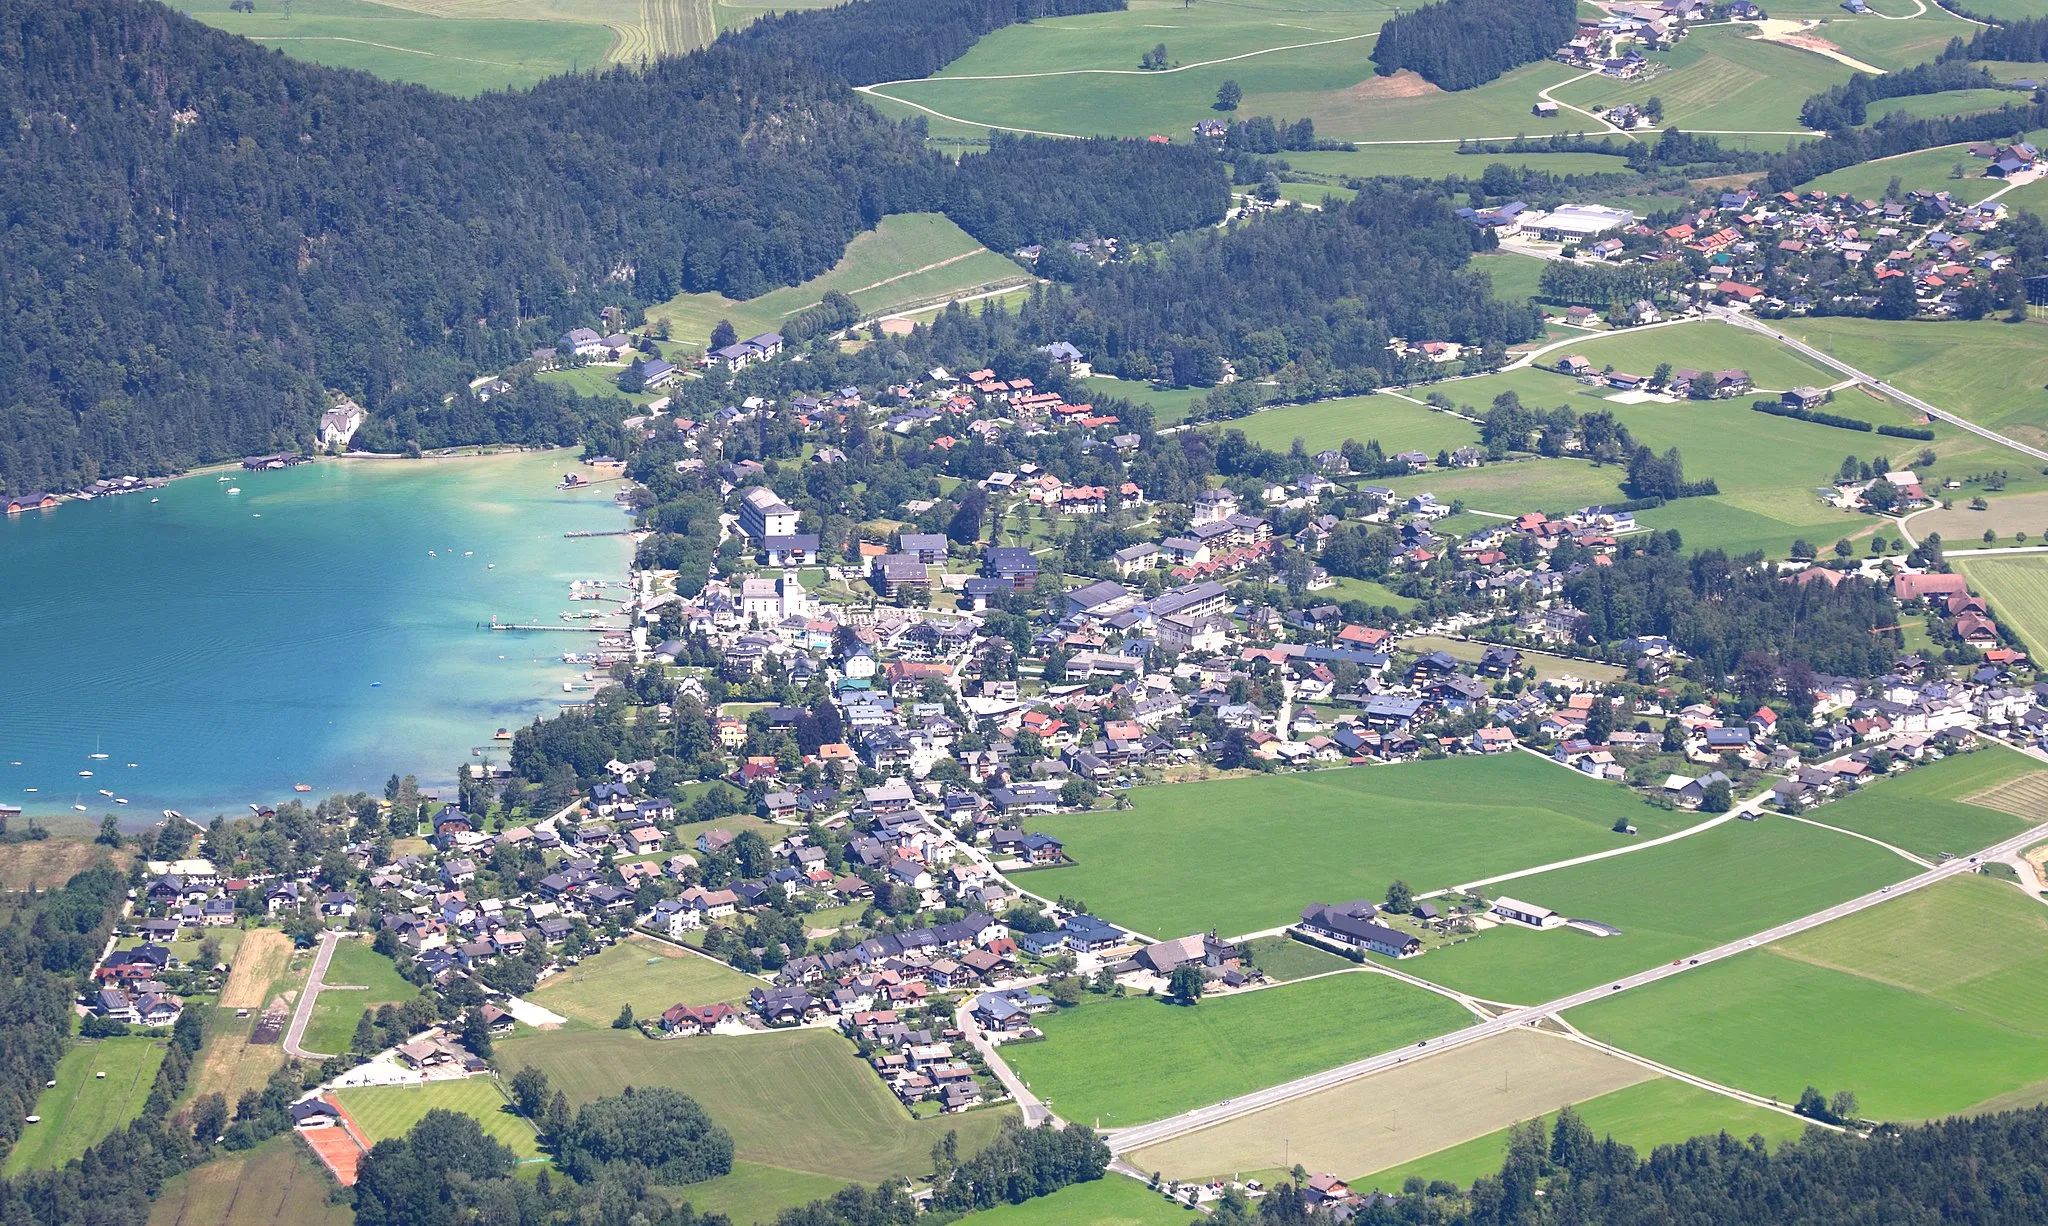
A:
[1741,320]
[1127,1140]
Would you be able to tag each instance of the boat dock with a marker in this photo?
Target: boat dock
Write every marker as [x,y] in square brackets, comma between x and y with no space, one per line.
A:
[495,624]
[615,532]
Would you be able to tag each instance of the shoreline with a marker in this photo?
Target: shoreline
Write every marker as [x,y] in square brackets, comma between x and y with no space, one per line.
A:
[56,815]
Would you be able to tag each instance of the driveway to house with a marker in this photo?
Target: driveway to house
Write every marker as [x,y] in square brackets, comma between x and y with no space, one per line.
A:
[1127,1140]
[303,1015]
[1035,1112]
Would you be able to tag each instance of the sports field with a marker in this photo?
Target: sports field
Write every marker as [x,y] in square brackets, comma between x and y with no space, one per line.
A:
[1398,424]
[907,260]
[1418,1108]
[1086,1068]
[800,1101]
[1669,901]
[1185,858]
[383,1112]
[1650,1113]
[84,1106]
[1957,805]
[2017,591]
[1989,371]
[1931,1003]
[648,975]
[278,1183]
[460,47]
[354,965]
[1112,1200]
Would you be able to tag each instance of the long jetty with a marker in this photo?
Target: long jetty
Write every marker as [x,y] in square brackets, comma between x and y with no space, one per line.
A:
[495,624]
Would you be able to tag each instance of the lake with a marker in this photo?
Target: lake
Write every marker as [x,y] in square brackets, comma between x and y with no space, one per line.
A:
[319,627]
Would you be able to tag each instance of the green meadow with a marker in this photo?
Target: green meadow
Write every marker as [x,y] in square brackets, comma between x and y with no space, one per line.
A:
[1924,810]
[1642,1116]
[2017,590]
[1931,170]
[1722,80]
[1112,1200]
[644,974]
[354,965]
[907,260]
[102,1085]
[1241,855]
[1931,1003]
[1222,1047]
[1989,371]
[800,1105]
[445,50]
[1669,902]
[385,1112]
[1397,422]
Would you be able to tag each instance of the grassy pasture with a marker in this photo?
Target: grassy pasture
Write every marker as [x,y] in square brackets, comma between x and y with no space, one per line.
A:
[1951,102]
[1722,79]
[1110,1201]
[1650,1113]
[1247,854]
[461,47]
[1284,959]
[1399,424]
[277,1182]
[880,271]
[1397,1116]
[1988,371]
[1963,527]
[1930,170]
[752,1192]
[797,1101]
[82,1108]
[2017,590]
[1927,810]
[1928,1004]
[645,974]
[254,967]
[1170,405]
[47,863]
[354,965]
[1668,901]
[1515,277]
[384,1112]
[1893,45]
[1548,667]
[228,1062]
[1220,1048]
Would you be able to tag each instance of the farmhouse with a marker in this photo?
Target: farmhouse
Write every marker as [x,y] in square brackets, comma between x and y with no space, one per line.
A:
[1529,913]
[1351,924]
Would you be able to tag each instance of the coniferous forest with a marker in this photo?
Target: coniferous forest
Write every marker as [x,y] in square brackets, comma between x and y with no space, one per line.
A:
[1463,44]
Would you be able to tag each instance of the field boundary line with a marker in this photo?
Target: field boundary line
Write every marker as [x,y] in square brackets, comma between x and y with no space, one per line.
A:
[337,38]
[1895,850]
[1136,72]
[1573,1034]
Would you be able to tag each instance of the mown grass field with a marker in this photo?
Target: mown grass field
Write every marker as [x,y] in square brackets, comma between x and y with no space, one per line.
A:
[2017,590]
[1284,958]
[48,863]
[1548,667]
[646,974]
[228,1062]
[384,1112]
[1219,1048]
[1112,1200]
[751,1192]
[1722,79]
[1926,810]
[1426,1105]
[798,1102]
[597,381]
[1241,855]
[1515,277]
[457,47]
[335,1014]
[1893,45]
[1399,425]
[1656,1112]
[880,272]
[82,1107]
[1931,1003]
[1703,346]
[1170,405]
[1668,901]
[1989,371]
[279,1183]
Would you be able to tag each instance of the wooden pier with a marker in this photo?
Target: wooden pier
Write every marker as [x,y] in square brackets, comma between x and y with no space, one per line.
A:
[495,624]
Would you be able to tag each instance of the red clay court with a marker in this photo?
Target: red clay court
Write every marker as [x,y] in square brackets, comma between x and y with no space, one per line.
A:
[341,1148]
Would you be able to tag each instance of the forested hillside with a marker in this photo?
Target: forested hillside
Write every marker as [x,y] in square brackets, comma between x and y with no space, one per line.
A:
[206,235]
[869,41]
[1462,44]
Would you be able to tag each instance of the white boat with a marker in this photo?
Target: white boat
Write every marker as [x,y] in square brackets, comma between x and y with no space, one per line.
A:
[31,789]
[96,750]
[156,500]
[105,792]
[491,566]
[173,813]
[120,800]
[133,765]
[468,552]
[432,554]
[76,805]
[85,774]
[234,489]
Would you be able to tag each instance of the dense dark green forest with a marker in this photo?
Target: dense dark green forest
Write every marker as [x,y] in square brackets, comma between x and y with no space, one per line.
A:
[1067,199]
[1895,134]
[2025,41]
[1463,44]
[221,234]
[869,41]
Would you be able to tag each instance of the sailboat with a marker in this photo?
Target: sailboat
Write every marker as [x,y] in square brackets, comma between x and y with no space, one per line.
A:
[76,805]
[96,754]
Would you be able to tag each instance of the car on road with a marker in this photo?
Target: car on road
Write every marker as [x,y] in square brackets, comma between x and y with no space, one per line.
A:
[1695,962]
[1615,988]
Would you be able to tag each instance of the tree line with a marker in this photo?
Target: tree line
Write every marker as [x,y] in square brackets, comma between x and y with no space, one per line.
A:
[1163,190]
[1463,44]
[2024,41]
[1848,104]
[1897,133]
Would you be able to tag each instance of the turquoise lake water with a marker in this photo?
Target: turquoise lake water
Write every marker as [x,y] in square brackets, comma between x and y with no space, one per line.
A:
[228,644]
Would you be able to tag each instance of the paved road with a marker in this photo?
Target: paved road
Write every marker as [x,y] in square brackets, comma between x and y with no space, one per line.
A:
[1741,320]
[304,1013]
[1126,1140]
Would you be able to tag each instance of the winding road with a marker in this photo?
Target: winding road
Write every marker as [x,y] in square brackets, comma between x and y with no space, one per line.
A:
[1126,1140]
